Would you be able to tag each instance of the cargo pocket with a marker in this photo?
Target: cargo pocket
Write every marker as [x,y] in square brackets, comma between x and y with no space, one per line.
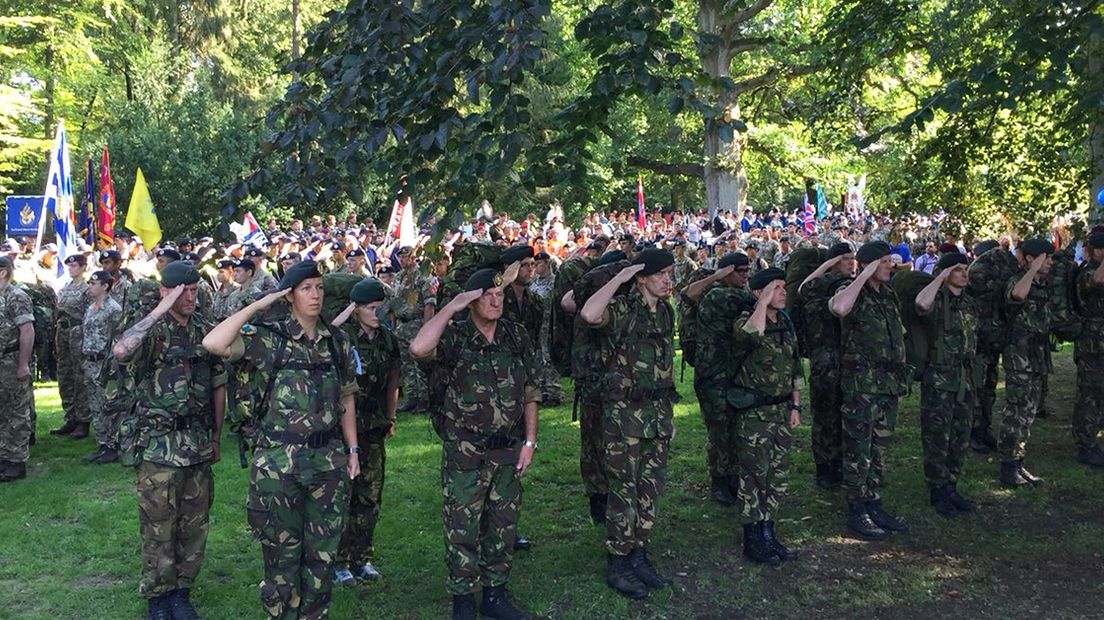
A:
[259,517]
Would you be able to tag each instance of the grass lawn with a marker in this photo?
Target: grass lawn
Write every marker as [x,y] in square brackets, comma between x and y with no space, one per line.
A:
[69,541]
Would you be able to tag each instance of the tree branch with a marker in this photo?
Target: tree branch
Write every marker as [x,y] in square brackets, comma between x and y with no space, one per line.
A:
[671,169]
[758,147]
[747,13]
[770,77]
[746,44]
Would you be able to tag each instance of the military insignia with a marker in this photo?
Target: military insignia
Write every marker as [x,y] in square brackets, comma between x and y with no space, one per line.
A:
[26,216]
[498,279]
[248,329]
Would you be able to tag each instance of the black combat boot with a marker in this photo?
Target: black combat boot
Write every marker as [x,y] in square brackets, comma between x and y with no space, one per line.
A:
[95,456]
[784,553]
[64,429]
[598,503]
[1032,478]
[158,609]
[496,604]
[756,548]
[1010,475]
[522,543]
[463,607]
[110,455]
[1091,456]
[961,504]
[720,491]
[941,500]
[620,577]
[859,522]
[645,571]
[13,471]
[180,607]
[80,432]
[885,520]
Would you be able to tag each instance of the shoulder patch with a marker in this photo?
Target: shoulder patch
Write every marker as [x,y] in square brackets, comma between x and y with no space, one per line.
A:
[248,329]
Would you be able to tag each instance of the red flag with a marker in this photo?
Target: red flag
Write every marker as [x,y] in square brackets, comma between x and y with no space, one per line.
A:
[641,217]
[105,208]
[809,215]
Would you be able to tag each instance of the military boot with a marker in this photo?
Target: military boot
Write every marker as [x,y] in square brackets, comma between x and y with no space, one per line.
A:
[1091,456]
[180,607]
[80,432]
[463,607]
[1026,475]
[756,548]
[496,604]
[522,543]
[1010,475]
[645,571]
[598,503]
[13,471]
[621,577]
[784,553]
[720,491]
[344,577]
[366,572]
[940,499]
[885,520]
[110,455]
[158,609]
[64,429]
[982,441]
[95,456]
[961,504]
[859,522]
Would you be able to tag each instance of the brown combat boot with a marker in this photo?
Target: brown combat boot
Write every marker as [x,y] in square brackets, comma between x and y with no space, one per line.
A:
[80,432]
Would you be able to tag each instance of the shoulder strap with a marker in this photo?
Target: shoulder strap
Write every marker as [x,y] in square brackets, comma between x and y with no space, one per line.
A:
[261,408]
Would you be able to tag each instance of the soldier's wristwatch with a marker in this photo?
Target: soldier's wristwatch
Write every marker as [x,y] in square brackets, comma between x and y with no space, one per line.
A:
[531,444]
[353,450]
[795,407]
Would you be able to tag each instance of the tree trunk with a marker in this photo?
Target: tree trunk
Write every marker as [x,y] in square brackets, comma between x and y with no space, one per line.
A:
[51,84]
[725,179]
[295,27]
[1096,130]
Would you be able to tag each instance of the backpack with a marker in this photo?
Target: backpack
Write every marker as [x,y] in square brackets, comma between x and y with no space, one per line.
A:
[336,287]
[1066,323]
[989,274]
[688,321]
[467,258]
[582,359]
[44,308]
[561,324]
[819,328]
[919,331]
[803,261]
[713,355]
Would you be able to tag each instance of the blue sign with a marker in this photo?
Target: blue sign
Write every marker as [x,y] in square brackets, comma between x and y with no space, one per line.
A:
[24,213]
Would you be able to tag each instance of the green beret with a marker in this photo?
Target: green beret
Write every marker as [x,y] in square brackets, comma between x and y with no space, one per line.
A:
[178,272]
[872,251]
[515,254]
[367,291]
[611,257]
[950,259]
[303,270]
[984,246]
[736,259]
[654,260]
[764,277]
[483,279]
[1096,240]
[840,249]
[1035,247]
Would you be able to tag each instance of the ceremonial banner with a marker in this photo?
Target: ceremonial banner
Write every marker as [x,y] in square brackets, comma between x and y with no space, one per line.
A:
[141,217]
[105,209]
[24,214]
[249,232]
[86,222]
[401,224]
[809,216]
[59,189]
[822,203]
[641,216]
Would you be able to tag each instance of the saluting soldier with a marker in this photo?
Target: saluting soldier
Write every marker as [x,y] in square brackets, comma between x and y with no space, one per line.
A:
[638,331]
[1088,352]
[98,332]
[16,351]
[111,261]
[178,420]
[298,481]
[72,300]
[487,389]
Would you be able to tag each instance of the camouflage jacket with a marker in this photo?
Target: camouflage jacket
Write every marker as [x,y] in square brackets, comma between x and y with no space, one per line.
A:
[72,300]
[717,312]
[311,379]
[542,286]
[123,280]
[821,328]
[412,293]
[640,374]
[770,364]
[176,379]
[1090,345]
[1028,347]
[954,340]
[376,358]
[262,281]
[872,352]
[527,311]
[98,327]
[683,268]
[15,310]
[227,301]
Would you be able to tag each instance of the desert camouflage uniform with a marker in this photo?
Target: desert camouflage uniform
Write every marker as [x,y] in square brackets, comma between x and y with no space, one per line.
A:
[16,417]
[98,330]
[1088,352]
[298,494]
[638,421]
[174,418]
[412,293]
[822,332]
[379,358]
[486,386]
[1026,361]
[72,300]
[120,283]
[763,436]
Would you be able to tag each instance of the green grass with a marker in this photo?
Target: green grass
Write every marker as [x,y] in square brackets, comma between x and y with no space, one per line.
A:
[69,542]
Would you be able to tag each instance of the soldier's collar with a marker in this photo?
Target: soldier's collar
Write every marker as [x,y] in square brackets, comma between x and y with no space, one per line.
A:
[295,330]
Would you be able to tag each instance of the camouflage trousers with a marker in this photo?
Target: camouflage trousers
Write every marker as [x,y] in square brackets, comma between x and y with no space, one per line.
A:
[480,511]
[70,375]
[551,388]
[298,519]
[1088,413]
[1023,393]
[945,419]
[17,414]
[174,505]
[104,420]
[866,434]
[764,439]
[824,401]
[365,495]
[412,377]
[1044,392]
[986,373]
[637,470]
[720,433]
[592,448]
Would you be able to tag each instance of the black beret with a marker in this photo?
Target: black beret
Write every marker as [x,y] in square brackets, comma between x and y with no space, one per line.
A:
[244,263]
[367,291]
[483,279]
[225,263]
[355,253]
[190,257]
[253,252]
[611,257]
[385,270]
[185,241]
[1096,240]
[872,251]
[764,277]
[654,261]
[950,259]
[596,245]
[736,259]
[406,249]
[101,276]
[543,256]
[1035,247]
[337,245]
[178,272]
[292,256]
[303,270]
[840,249]
[984,246]
[75,259]
[110,255]
[515,254]
[626,237]
[168,253]
[5,263]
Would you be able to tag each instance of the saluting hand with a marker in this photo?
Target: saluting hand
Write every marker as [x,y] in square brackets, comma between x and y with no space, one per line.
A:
[510,275]
[168,300]
[721,274]
[1037,262]
[627,273]
[270,299]
[462,300]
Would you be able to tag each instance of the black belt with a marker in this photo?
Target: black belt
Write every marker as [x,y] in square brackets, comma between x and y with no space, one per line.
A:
[186,422]
[311,440]
[95,357]
[497,441]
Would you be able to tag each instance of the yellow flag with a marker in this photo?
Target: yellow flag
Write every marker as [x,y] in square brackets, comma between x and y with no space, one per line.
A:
[141,217]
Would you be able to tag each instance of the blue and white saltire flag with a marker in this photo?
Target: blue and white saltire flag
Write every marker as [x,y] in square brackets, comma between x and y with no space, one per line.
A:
[59,188]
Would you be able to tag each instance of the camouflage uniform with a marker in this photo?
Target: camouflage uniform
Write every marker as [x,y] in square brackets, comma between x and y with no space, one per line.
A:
[873,377]
[379,357]
[946,390]
[98,330]
[120,283]
[298,494]
[1088,352]
[72,300]
[763,437]
[822,333]
[683,267]
[483,387]
[561,325]
[16,419]
[171,440]
[1026,360]
[412,293]
[227,300]
[262,281]
[638,421]
[551,388]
